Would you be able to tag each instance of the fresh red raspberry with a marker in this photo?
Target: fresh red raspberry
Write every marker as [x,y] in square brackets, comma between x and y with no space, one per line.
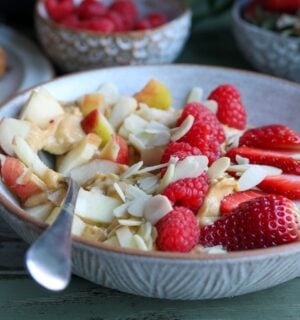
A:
[71,21]
[116,19]
[143,25]
[103,25]
[127,10]
[259,223]
[188,192]
[89,9]
[181,150]
[177,231]
[59,9]
[157,19]
[203,117]
[231,110]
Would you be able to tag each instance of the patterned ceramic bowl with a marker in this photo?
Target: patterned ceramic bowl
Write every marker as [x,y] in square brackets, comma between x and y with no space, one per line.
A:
[161,274]
[74,50]
[267,51]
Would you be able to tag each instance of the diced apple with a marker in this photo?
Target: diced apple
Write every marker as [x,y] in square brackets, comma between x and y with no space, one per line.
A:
[156,95]
[95,122]
[40,212]
[110,92]
[123,108]
[92,101]
[19,179]
[41,108]
[87,171]
[32,160]
[81,154]
[94,207]
[116,150]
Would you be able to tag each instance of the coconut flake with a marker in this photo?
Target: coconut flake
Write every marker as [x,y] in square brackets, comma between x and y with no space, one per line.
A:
[195,95]
[156,208]
[218,168]
[119,191]
[251,178]
[183,129]
[148,184]
[135,124]
[212,105]
[155,127]
[136,207]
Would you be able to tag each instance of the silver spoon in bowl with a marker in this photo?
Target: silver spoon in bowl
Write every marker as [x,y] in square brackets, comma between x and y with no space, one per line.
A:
[48,260]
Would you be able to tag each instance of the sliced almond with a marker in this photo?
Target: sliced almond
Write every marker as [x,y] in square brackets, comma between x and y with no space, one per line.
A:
[148,184]
[241,160]
[145,231]
[121,210]
[184,128]
[167,178]
[152,168]
[136,206]
[113,241]
[140,243]
[212,105]
[251,178]
[156,208]
[132,170]
[129,222]
[119,191]
[218,168]
[124,236]
[195,95]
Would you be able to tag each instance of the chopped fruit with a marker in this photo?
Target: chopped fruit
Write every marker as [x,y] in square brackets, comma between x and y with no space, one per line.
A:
[233,200]
[156,95]
[231,110]
[278,159]
[92,101]
[104,25]
[116,18]
[19,179]
[40,212]
[179,150]
[281,5]
[273,136]
[177,231]
[258,223]
[59,9]
[90,9]
[41,109]
[82,153]
[116,150]
[188,192]
[128,11]
[204,119]
[287,185]
[95,122]
[71,21]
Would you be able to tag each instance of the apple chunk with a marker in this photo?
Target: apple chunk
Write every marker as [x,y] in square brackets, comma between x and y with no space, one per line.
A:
[87,171]
[95,207]
[116,150]
[41,108]
[26,154]
[92,101]
[40,212]
[81,154]
[95,122]
[156,95]
[19,179]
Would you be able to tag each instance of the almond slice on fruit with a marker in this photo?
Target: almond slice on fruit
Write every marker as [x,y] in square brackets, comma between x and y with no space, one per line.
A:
[156,208]
[271,171]
[184,128]
[167,178]
[251,178]
[218,168]
[212,105]
[195,95]
[241,160]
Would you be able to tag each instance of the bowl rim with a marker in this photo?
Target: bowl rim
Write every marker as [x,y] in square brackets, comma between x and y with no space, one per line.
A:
[237,18]
[186,11]
[18,212]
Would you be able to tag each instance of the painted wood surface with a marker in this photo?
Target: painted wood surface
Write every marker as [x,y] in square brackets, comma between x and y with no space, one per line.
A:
[21,298]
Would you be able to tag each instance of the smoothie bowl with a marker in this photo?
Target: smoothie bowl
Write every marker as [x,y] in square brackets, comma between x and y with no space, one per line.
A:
[180,198]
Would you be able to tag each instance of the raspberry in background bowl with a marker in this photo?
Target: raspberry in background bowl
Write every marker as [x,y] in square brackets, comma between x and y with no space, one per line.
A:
[74,48]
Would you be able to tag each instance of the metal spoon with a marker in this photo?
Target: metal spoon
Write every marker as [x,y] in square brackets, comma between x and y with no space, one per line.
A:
[49,259]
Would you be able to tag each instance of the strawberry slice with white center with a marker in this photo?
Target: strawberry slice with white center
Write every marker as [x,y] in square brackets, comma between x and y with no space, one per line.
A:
[287,185]
[287,161]
[233,200]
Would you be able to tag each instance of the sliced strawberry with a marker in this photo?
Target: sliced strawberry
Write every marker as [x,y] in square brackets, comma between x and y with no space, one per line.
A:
[282,160]
[262,222]
[233,200]
[287,185]
[273,136]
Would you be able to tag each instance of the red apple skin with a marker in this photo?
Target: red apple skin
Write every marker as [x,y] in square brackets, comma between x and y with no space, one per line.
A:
[11,170]
[123,155]
[89,123]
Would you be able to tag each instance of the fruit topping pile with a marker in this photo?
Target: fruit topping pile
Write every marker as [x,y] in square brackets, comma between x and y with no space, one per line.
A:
[155,177]
[282,16]
[93,15]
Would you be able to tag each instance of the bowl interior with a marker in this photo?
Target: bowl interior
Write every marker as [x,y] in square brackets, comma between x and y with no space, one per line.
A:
[268,100]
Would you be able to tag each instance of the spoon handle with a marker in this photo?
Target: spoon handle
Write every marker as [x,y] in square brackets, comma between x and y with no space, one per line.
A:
[48,260]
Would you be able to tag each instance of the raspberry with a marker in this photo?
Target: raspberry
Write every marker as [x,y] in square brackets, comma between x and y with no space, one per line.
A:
[180,150]
[231,110]
[177,231]
[143,25]
[188,192]
[127,10]
[90,9]
[59,10]
[116,19]
[103,25]
[203,117]
[71,21]
[157,19]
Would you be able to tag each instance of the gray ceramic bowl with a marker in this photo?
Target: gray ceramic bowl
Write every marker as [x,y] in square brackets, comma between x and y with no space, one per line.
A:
[267,51]
[73,50]
[167,275]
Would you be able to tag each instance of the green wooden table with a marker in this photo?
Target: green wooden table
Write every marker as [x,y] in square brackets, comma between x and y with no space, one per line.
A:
[21,298]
